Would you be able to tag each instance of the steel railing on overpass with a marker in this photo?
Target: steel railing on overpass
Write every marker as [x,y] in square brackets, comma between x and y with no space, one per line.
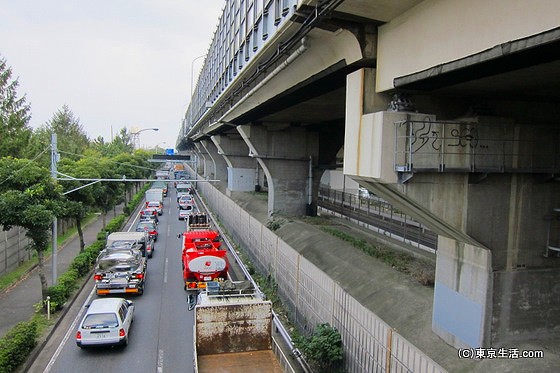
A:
[444,146]
[379,215]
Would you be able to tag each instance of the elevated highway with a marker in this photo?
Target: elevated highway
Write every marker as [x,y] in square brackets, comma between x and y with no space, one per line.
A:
[446,109]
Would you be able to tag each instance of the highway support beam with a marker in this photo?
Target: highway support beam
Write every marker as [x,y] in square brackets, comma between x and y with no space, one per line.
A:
[205,164]
[287,155]
[242,170]
[217,165]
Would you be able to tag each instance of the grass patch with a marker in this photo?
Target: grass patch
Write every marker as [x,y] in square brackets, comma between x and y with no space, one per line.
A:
[317,220]
[419,269]
[14,276]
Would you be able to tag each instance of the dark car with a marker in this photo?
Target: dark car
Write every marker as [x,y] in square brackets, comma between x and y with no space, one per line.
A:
[148,226]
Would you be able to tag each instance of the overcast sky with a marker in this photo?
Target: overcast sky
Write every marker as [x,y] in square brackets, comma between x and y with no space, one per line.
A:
[114,63]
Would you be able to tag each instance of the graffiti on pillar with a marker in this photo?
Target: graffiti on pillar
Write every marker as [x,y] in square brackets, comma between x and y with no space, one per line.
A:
[464,137]
[426,134]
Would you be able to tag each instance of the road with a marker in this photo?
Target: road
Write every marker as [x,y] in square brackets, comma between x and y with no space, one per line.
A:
[161,336]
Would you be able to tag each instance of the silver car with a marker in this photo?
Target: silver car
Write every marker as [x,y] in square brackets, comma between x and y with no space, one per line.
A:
[106,323]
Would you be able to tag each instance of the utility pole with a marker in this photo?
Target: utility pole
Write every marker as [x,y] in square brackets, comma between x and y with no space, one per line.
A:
[54,160]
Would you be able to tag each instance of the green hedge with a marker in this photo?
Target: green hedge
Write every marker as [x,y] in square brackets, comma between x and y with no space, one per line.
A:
[59,293]
[115,224]
[17,344]
[84,261]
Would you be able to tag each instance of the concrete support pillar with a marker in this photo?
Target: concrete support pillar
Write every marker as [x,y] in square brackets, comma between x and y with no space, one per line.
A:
[242,170]
[286,155]
[204,161]
[488,201]
[462,313]
[217,162]
[197,161]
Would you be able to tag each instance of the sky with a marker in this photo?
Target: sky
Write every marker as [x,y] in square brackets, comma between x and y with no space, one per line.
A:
[114,63]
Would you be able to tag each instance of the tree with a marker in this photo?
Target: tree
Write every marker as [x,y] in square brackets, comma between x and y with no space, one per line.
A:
[132,166]
[122,143]
[72,141]
[14,115]
[81,200]
[71,137]
[111,191]
[30,198]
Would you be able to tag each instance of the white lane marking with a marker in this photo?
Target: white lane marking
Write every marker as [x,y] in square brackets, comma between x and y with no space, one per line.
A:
[68,333]
[165,270]
[160,361]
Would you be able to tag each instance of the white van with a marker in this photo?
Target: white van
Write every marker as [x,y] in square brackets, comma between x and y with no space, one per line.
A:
[106,323]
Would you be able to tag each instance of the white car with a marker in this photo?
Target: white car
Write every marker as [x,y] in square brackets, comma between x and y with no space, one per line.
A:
[184,214]
[106,323]
[156,205]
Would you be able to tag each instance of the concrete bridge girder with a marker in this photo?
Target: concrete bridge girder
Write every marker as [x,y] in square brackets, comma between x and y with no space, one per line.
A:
[234,150]
[320,54]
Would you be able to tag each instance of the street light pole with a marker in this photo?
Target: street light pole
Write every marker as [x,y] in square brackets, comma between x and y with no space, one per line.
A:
[54,161]
[192,72]
[136,135]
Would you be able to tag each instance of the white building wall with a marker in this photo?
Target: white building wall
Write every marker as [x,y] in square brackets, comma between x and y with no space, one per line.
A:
[437,32]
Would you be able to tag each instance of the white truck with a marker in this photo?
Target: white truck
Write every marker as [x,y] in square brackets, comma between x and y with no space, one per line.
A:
[183,189]
[233,330]
[155,195]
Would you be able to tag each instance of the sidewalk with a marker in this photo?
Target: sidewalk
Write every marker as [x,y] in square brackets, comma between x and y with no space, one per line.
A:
[17,303]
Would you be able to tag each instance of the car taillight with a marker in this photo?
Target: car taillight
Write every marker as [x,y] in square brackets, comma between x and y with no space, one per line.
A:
[121,332]
[79,335]
[97,277]
[139,275]
[192,285]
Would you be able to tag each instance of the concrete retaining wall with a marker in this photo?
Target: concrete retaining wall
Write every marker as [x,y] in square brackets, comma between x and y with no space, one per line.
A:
[312,297]
[13,249]
[13,245]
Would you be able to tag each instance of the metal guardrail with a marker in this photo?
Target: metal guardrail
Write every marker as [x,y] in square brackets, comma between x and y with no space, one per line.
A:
[379,214]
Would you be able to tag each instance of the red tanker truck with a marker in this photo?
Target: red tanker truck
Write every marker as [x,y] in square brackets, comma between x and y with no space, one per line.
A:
[202,257]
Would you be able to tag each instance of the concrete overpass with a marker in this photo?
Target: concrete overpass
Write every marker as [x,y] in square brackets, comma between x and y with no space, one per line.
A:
[447,109]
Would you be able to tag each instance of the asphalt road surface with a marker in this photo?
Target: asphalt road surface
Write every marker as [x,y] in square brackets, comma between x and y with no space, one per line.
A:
[161,335]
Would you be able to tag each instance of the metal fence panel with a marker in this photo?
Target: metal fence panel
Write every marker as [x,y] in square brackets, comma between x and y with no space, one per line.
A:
[315,295]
